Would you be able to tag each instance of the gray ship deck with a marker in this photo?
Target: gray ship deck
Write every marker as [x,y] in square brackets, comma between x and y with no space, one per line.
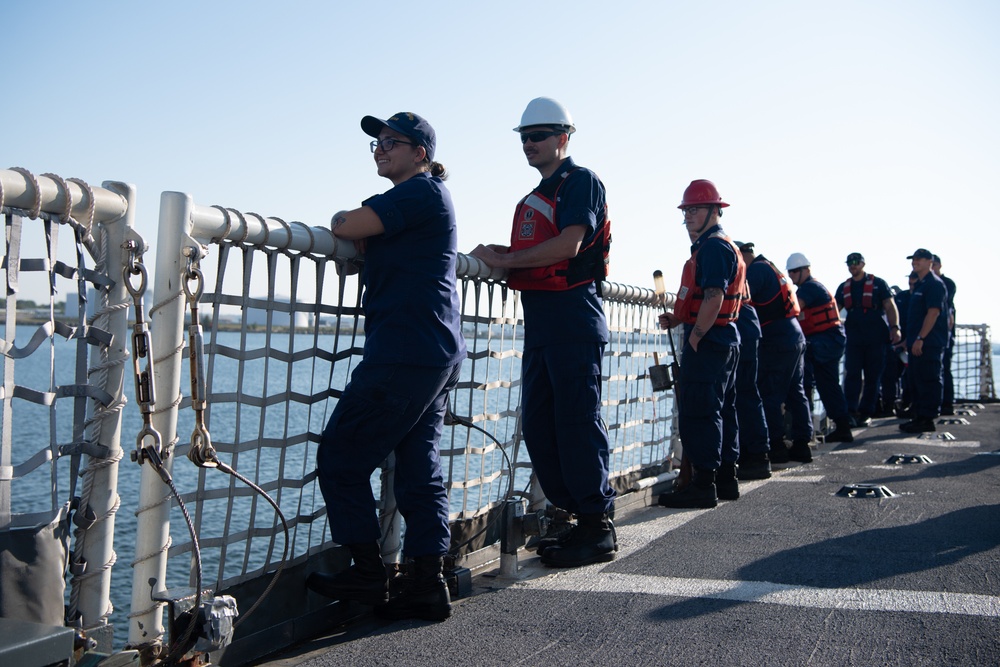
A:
[790,574]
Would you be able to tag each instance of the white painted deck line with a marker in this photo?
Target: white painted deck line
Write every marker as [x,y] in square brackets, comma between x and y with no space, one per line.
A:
[635,537]
[858,599]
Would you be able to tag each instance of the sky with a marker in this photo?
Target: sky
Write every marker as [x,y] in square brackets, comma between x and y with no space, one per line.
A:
[830,128]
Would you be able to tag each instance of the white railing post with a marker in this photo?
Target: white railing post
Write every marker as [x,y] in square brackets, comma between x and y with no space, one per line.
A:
[98,551]
[167,316]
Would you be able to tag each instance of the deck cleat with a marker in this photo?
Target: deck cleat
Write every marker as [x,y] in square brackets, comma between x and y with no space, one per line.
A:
[952,420]
[865,491]
[936,436]
[903,459]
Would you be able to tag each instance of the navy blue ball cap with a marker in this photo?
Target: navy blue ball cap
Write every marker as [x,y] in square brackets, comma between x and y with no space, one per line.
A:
[855,258]
[406,123]
[921,253]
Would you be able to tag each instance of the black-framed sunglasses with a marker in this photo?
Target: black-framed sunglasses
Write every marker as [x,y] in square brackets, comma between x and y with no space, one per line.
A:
[388,144]
[540,135]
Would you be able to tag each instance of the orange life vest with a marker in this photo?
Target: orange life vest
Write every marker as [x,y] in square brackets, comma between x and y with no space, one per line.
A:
[820,318]
[783,305]
[534,223]
[690,296]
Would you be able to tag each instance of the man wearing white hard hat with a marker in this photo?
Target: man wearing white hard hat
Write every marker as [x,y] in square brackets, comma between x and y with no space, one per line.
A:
[557,259]
[825,341]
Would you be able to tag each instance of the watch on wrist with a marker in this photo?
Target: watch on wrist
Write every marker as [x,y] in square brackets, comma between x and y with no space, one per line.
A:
[919,338]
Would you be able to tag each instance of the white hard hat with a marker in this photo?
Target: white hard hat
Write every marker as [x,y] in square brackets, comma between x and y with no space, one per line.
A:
[546,111]
[796,261]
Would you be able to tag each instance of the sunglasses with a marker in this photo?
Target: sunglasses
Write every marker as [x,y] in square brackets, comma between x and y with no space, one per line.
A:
[536,137]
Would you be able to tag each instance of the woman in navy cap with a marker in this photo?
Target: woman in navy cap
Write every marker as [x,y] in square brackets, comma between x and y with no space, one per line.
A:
[397,397]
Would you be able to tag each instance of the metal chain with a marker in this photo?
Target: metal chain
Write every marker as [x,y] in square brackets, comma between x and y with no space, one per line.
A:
[148,445]
[201,452]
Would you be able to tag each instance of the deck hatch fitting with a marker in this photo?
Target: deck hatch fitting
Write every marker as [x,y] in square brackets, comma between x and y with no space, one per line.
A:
[953,420]
[902,459]
[936,436]
[865,491]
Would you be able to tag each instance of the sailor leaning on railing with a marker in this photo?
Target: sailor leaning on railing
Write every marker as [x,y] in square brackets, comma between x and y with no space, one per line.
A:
[557,258]
[397,397]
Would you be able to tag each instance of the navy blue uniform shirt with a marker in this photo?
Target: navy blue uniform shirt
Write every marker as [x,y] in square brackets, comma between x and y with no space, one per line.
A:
[574,315]
[928,293]
[715,267]
[411,304]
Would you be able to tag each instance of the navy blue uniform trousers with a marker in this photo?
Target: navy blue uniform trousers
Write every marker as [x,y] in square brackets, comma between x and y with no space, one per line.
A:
[388,408]
[823,367]
[706,398]
[563,430]
[927,382]
[868,360]
[749,408]
[780,380]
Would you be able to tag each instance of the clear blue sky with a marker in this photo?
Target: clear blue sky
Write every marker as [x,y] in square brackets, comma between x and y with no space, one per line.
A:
[830,127]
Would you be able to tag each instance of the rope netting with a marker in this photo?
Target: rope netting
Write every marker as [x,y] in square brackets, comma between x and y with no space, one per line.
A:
[284,330]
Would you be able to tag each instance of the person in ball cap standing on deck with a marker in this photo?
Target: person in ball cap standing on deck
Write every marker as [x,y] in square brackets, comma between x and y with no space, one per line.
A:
[871,321]
[782,358]
[948,402]
[926,339]
[397,397]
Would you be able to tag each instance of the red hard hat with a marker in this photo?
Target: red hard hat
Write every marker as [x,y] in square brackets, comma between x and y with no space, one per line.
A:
[702,191]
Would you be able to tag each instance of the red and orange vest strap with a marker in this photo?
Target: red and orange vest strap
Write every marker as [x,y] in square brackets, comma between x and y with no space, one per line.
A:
[690,295]
[867,294]
[535,223]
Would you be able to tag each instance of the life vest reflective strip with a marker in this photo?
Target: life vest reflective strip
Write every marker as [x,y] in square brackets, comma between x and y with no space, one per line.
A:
[535,223]
[820,318]
[867,294]
[783,305]
[690,296]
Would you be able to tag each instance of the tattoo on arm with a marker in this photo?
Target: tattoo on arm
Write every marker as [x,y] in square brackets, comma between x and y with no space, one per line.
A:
[338,220]
[699,332]
[712,292]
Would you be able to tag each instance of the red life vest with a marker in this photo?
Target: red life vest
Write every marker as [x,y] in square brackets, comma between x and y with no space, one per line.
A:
[867,294]
[820,318]
[691,295]
[534,223]
[783,305]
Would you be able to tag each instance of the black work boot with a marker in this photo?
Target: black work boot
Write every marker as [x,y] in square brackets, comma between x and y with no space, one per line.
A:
[778,453]
[365,581]
[754,466]
[918,425]
[699,494]
[422,592]
[592,541]
[555,536]
[842,433]
[800,451]
[726,482]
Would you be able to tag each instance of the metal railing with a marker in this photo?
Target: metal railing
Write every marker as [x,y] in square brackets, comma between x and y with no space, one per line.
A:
[282,332]
[62,393]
